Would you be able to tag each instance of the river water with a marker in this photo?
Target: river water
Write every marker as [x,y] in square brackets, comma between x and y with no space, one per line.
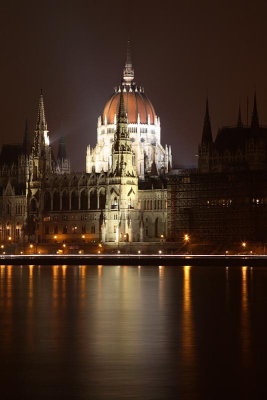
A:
[125,332]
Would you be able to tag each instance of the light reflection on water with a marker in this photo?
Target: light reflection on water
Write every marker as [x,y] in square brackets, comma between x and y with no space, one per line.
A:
[121,332]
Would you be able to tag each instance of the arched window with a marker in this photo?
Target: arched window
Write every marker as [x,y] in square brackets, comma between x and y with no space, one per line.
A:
[33,205]
[84,200]
[102,199]
[114,203]
[74,200]
[93,200]
[47,201]
[65,201]
[56,201]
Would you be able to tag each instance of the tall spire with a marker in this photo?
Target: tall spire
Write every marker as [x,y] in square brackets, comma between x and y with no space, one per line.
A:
[41,124]
[255,117]
[122,116]
[207,134]
[128,71]
[239,118]
[121,131]
[26,143]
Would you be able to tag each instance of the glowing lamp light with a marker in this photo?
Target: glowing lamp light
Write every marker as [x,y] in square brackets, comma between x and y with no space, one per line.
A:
[244,244]
[55,236]
[118,251]
[162,236]
[9,238]
[160,252]
[139,251]
[99,252]
[2,246]
[186,237]
[4,252]
[21,252]
[83,236]
[31,245]
[64,245]
[99,245]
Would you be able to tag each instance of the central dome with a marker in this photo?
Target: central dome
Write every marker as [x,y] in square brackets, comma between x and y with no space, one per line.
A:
[137,105]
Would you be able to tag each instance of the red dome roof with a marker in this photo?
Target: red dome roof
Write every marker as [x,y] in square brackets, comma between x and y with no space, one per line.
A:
[136,102]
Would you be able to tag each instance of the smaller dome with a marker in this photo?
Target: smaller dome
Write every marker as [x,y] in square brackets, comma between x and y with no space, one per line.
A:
[136,102]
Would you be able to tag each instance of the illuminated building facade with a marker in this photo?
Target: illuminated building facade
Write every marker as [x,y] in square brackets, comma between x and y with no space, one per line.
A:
[121,197]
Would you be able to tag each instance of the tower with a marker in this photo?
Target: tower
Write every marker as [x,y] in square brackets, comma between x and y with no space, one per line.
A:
[41,151]
[122,199]
[143,127]
[205,148]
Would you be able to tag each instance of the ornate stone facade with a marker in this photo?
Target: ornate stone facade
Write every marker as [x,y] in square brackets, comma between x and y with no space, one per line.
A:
[112,202]
[143,127]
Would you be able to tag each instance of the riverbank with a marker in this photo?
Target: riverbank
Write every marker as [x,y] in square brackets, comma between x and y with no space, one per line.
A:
[133,259]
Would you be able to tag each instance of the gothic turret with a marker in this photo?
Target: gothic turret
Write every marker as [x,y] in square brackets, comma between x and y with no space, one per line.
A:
[41,150]
[122,155]
[128,71]
[41,138]
[239,123]
[205,147]
[255,117]
[41,124]
[207,133]
[26,145]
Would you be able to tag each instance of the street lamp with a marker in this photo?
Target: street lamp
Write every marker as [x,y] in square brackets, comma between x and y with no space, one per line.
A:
[186,238]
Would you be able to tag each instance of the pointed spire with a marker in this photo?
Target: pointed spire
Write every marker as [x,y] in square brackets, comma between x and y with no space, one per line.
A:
[255,117]
[26,142]
[62,154]
[207,133]
[122,116]
[41,124]
[128,71]
[239,118]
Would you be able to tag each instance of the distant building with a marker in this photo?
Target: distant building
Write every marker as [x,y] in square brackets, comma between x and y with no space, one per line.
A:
[225,198]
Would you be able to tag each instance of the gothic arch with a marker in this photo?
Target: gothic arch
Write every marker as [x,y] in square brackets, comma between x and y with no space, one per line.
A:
[84,200]
[56,201]
[102,198]
[74,200]
[93,199]
[47,201]
[65,201]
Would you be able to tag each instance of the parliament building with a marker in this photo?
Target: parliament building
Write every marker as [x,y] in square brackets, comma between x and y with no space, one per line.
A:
[130,194]
[120,198]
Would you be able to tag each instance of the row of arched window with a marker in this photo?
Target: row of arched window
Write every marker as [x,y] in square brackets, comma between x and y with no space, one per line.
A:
[74,201]
[153,204]
[65,229]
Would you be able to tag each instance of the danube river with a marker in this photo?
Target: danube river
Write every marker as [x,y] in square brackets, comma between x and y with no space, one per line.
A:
[126,332]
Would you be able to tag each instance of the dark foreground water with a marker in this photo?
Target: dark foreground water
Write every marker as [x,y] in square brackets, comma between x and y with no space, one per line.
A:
[112,333]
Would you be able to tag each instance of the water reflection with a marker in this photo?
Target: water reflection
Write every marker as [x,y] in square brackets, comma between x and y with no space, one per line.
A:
[245,322]
[187,320]
[129,332]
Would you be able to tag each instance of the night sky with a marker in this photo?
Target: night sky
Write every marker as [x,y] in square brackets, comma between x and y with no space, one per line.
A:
[182,50]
